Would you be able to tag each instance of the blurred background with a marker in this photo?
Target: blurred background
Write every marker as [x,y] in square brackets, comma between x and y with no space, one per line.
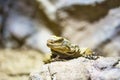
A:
[25,26]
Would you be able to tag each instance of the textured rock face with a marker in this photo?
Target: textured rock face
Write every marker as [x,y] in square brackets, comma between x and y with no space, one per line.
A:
[22,26]
[80,69]
[91,26]
[98,31]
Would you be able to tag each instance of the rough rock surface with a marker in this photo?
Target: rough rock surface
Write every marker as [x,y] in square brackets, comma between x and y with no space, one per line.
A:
[98,32]
[23,26]
[104,68]
[95,26]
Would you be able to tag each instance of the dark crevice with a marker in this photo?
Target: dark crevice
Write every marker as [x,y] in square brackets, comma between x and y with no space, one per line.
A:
[89,78]
[91,13]
[81,28]
[100,47]
[50,72]
[52,75]
[19,74]
[103,68]
[116,63]
[5,8]
[54,26]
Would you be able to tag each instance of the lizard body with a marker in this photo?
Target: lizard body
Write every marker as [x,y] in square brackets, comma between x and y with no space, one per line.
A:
[62,48]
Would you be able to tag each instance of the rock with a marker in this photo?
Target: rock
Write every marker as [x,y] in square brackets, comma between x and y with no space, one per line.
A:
[80,69]
[62,3]
[95,28]
[98,32]
[107,62]
[112,48]
[17,28]
[35,77]
[110,74]
[23,27]
[51,7]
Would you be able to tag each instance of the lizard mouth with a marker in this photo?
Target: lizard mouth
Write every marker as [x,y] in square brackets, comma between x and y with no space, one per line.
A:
[57,47]
[53,45]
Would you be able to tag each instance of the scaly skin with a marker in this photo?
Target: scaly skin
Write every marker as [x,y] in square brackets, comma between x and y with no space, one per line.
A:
[62,48]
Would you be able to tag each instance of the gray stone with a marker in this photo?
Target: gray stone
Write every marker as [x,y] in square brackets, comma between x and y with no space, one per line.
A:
[35,77]
[81,69]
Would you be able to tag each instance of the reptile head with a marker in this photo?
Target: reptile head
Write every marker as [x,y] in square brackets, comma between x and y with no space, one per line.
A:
[58,44]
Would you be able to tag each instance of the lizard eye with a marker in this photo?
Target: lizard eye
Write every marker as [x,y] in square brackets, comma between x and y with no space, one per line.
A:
[59,40]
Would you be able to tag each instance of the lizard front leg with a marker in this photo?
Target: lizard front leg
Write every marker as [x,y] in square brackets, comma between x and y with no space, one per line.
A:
[88,53]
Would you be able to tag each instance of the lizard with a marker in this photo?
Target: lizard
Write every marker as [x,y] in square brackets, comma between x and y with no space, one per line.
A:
[62,48]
